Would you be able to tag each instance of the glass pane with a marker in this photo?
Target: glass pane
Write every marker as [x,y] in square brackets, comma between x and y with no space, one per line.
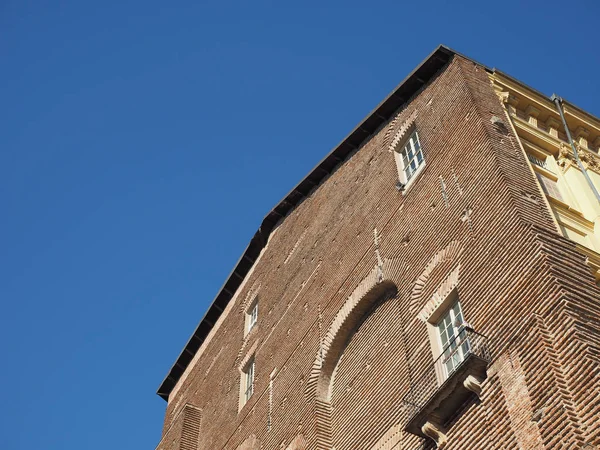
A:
[454,338]
[444,338]
[416,143]
[456,308]
[447,321]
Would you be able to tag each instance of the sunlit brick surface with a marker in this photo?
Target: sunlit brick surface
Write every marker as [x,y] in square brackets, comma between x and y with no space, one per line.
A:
[519,281]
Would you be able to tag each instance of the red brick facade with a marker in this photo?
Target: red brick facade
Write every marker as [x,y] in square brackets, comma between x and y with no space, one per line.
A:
[340,338]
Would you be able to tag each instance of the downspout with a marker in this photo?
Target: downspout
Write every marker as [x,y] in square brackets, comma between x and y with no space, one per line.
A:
[558,102]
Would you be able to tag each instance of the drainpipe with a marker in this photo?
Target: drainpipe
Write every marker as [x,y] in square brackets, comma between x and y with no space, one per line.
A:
[558,102]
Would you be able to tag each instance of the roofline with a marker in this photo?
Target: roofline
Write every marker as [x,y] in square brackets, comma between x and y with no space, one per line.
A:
[418,78]
[552,106]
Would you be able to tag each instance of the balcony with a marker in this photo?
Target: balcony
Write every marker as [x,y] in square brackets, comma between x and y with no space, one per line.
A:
[455,377]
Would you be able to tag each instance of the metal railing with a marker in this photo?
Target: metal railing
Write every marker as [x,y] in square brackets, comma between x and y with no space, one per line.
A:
[466,344]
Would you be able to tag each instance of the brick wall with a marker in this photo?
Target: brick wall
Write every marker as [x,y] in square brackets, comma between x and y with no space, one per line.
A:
[334,356]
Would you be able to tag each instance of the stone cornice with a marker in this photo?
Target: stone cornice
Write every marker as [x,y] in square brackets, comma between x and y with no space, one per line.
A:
[543,103]
[562,150]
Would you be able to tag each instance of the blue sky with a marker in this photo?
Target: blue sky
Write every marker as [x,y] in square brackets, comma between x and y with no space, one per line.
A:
[141,143]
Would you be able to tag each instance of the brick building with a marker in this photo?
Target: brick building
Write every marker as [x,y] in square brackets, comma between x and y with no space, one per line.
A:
[431,283]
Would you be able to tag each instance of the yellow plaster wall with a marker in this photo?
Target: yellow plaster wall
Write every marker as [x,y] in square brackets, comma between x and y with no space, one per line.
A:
[538,126]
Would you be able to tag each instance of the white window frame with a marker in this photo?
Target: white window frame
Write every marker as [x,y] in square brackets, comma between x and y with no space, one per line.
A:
[248,380]
[433,316]
[251,316]
[449,326]
[410,159]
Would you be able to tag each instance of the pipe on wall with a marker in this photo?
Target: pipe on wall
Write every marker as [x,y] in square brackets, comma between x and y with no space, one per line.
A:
[558,102]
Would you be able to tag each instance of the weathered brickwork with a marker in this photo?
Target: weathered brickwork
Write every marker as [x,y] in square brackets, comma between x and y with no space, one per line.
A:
[348,278]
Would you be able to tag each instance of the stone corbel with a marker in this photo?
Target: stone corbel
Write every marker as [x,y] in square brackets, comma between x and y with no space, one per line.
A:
[589,160]
[473,384]
[553,126]
[582,134]
[512,103]
[532,115]
[503,95]
[596,144]
[435,432]
[565,157]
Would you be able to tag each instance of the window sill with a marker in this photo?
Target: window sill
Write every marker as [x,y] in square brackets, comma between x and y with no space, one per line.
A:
[545,172]
[414,178]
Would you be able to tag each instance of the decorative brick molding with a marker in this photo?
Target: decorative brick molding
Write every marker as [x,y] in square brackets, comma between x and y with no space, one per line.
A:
[440,295]
[190,432]
[184,432]
[390,131]
[450,253]
[370,290]
[392,138]
[250,296]
[375,286]
[323,421]
[248,354]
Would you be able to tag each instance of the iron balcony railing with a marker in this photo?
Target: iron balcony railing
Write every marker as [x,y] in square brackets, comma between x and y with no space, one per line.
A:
[464,347]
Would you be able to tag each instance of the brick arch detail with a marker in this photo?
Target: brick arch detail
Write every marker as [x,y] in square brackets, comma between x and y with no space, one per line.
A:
[250,296]
[442,292]
[373,287]
[450,253]
[394,134]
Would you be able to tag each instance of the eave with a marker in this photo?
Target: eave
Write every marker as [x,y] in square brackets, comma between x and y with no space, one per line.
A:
[411,85]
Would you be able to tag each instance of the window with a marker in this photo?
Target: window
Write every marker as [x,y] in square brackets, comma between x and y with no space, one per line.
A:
[409,159]
[537,161]
[550,187]
[252,315]
[248,377]
[454,343]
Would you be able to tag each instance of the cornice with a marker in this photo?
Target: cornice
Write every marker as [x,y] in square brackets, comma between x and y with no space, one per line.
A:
[557,147]
[542,102]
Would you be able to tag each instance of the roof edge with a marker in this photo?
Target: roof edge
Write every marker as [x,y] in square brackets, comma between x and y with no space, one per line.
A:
[401,94]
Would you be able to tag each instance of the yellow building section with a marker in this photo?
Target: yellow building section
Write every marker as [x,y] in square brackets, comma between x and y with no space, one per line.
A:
[541,133]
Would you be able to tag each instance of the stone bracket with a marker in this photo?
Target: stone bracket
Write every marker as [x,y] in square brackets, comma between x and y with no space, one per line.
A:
[473,384]
[435,432]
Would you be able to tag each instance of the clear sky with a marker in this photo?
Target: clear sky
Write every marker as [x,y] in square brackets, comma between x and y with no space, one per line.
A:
[142,142]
